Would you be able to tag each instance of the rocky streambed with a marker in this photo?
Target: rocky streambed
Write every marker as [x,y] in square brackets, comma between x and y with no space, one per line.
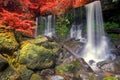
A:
[42,58]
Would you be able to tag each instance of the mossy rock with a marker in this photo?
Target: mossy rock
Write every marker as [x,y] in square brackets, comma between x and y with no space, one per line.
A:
[38,56]
[8,41]
[24,73]
[36,77]
[110,78]
[75,70]
[70,67]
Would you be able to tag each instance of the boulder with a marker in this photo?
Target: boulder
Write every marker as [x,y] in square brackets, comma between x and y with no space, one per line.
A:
[110,66]
[7,41]
[36,77]
[75,70]
[37,54]
[24,73]
[47,72]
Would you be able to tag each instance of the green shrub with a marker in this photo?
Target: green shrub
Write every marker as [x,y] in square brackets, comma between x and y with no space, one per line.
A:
[109,25]
[110,78]
[71,67]
[62,24]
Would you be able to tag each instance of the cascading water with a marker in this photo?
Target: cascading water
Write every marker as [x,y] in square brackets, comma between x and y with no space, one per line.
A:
[96,48]
[36,28]
[49,25]
[76,28]
[76,31]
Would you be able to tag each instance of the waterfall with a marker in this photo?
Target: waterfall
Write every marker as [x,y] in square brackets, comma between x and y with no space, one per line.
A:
[76,28]
[36,27]
[76,31]
[96,48]
[49,22]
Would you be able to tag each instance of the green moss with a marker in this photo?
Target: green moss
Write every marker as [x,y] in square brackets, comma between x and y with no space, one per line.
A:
[62,24]
[111,25]
[8,41]
[35,77]
[114,37]
[68,67]
[110,78]
[24,73]
[31,51]
[38,56]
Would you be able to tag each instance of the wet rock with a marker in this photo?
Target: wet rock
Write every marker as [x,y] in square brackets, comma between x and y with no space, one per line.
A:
[38,54]
[47,72]
[3,64]
[84,76]
[36,77]
[110,66]
[117,76]
[105,73]
[56,77]
[7,41]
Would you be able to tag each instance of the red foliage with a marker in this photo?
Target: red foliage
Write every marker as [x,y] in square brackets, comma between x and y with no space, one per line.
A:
[19,15]
[78,3]
[18,22]
[51,6]
[59,6]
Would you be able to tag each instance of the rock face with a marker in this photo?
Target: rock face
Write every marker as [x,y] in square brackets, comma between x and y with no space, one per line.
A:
[110,66]
[7,41]
[38,54]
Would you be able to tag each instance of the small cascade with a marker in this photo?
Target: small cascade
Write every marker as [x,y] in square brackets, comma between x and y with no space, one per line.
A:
[36,27]
[49,24]
[76,31]
[96,48]
[77,25]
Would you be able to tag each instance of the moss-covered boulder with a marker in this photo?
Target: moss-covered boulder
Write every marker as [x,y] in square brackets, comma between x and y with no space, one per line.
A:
[71,67]
[74,70]
[36,54]
[7,41]
[110,78]
[36,77]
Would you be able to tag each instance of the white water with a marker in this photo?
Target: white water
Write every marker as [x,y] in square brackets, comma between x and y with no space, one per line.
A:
[49,25]
[96,48]
[36,27]
[76,31]
[76,28]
